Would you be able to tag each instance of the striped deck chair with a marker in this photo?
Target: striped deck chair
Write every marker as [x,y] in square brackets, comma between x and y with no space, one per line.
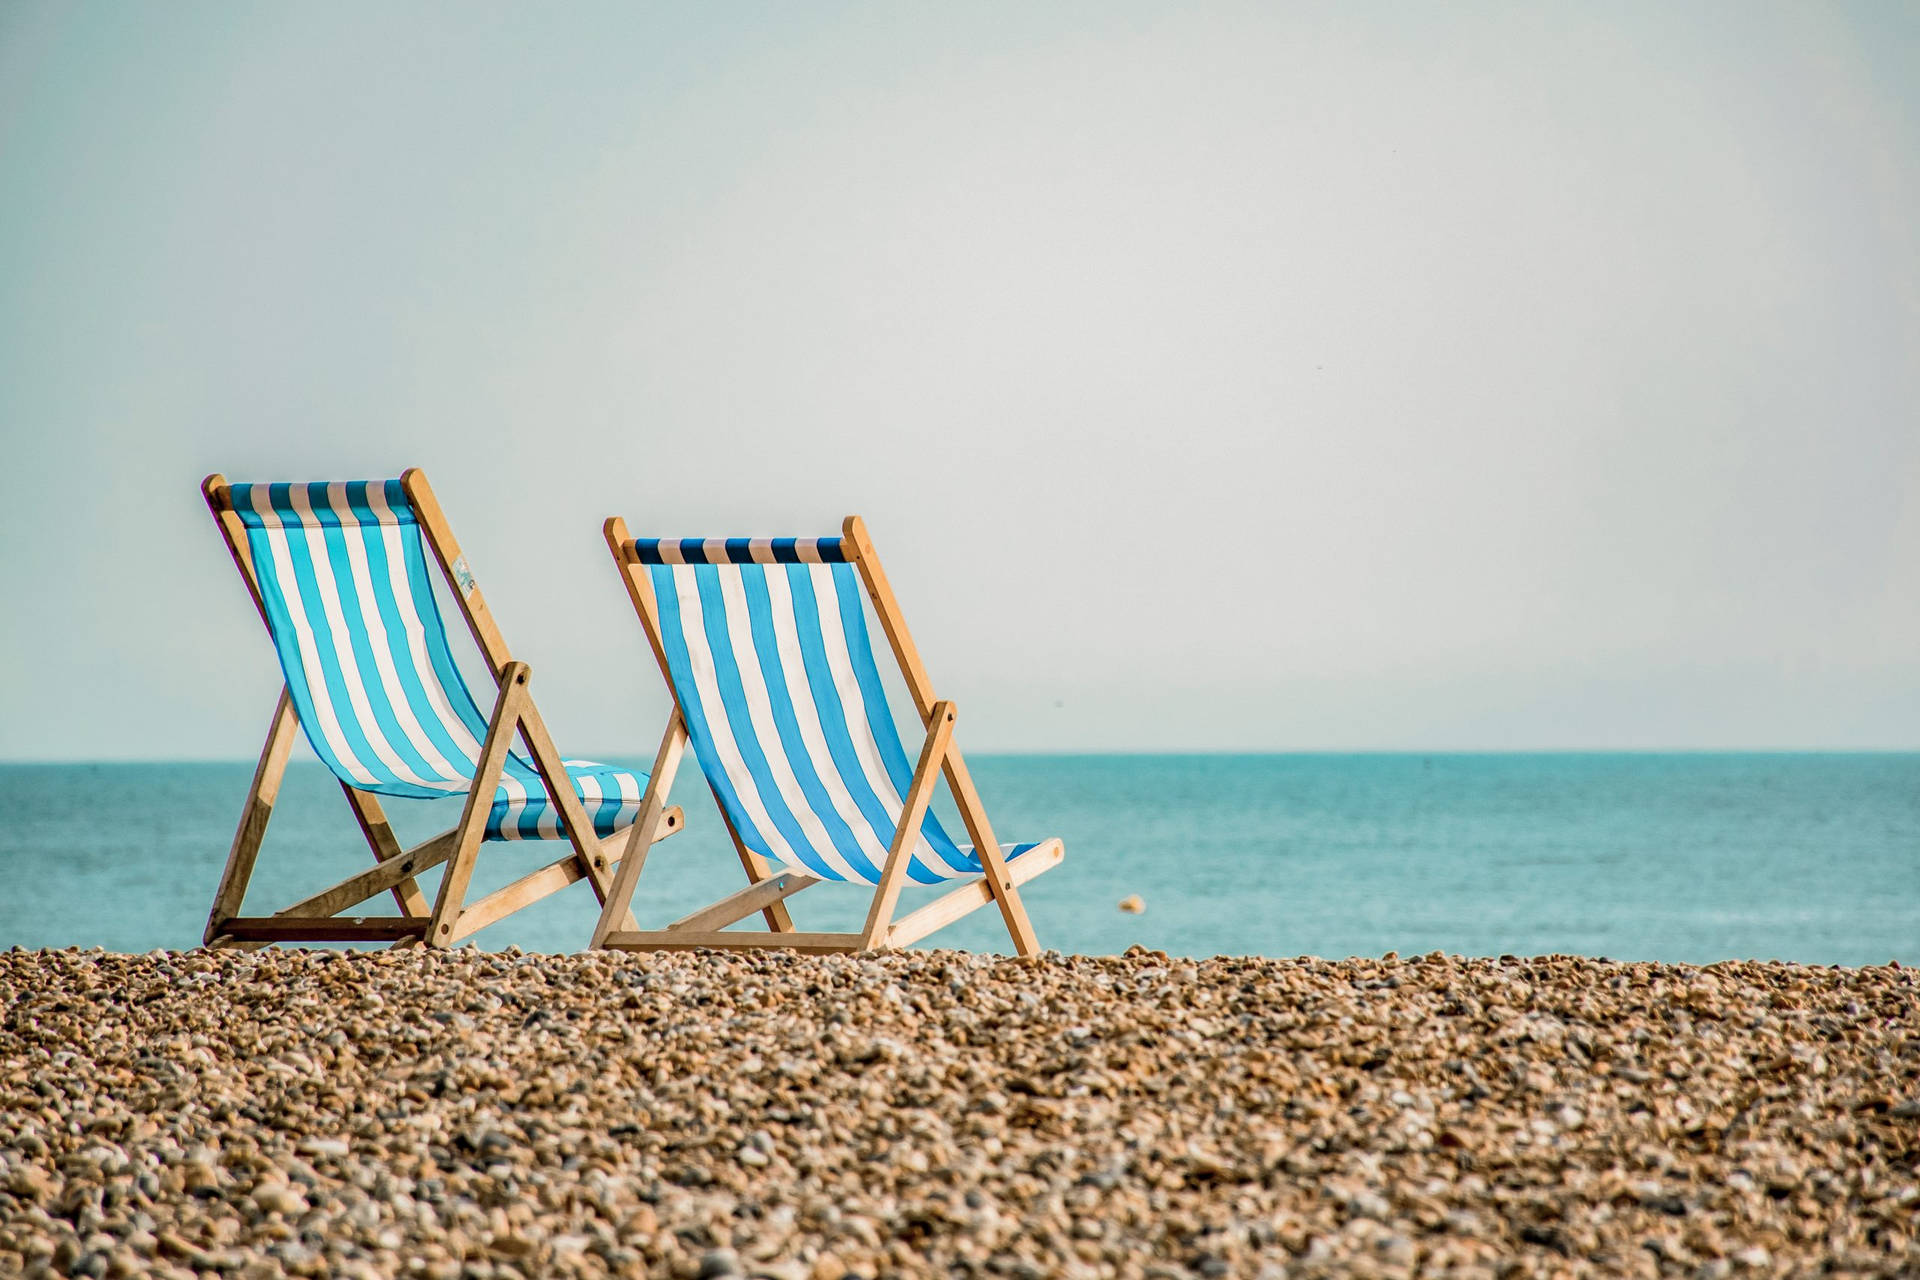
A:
[764,646]
[339,575]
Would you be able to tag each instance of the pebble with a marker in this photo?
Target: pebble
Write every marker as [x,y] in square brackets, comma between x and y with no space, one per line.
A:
[468,1114]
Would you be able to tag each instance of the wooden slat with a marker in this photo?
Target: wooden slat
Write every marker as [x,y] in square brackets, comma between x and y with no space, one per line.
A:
[360,886]
[386,847]
[321,928]
[551,878]
[947,908]
[740,905]
[573,815]
[528,889]
[472,827]
[446,549]
[757,869]
[728,940]
[254,814]
[219,498]
[616,905]
[906,833]
[972,812]
[892,621]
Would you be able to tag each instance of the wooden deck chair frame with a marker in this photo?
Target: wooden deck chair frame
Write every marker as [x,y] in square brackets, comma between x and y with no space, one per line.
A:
[450,919]
[767,888]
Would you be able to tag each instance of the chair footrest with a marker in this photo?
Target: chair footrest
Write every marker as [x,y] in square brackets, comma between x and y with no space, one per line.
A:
[971,896]
[321,928]
[728,940]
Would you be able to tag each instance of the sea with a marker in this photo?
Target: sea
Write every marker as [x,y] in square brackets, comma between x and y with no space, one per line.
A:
[1693,858]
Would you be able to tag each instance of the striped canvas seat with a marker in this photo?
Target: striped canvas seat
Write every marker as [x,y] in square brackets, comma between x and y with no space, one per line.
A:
[342,573]
[767,648]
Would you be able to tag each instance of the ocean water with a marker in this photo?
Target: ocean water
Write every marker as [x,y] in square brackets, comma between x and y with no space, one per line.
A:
[1812,858]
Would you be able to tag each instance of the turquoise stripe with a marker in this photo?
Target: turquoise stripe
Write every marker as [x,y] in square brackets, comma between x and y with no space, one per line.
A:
[360,643]
[827,705]
[604,814]
[733,699]
[331,678]
[767,649]
[439,656]
[680,665]
[387,600]
[854,622]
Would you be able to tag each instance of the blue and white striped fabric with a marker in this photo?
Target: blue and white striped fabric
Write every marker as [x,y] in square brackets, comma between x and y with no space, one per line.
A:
[767,647]
[342,571]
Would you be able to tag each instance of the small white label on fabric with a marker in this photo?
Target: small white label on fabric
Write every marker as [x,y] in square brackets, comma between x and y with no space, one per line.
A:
[463,576]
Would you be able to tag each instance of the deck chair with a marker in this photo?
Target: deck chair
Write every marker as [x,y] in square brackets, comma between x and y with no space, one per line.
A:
[339,575]
[764,646]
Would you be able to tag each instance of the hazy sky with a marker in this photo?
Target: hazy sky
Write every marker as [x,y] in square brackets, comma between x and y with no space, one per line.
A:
[1262,376]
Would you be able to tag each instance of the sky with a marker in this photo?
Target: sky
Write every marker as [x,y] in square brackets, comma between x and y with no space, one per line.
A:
[1211,377]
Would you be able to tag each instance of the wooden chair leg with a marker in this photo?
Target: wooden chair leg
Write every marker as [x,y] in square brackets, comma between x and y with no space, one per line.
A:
[999,883]
[616,909]
[758,872]
[926,775]
[573,815]
[473,818]
[253,817]
[385,846]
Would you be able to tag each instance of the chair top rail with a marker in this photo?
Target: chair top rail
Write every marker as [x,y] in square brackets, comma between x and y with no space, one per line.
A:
[699,551]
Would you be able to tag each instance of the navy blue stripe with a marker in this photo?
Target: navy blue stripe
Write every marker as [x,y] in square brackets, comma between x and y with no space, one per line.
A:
[694,551]
[242,496]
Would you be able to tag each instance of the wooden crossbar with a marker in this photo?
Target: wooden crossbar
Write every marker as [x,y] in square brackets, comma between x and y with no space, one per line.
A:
[948,907]
[551,878]
[323,928]
[738,906]
[688,939]
[356,889]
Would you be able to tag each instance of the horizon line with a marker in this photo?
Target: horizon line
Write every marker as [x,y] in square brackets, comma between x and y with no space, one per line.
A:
[1191,753]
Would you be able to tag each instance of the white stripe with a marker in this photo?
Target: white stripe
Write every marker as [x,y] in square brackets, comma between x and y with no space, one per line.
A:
[446,775]
[700,659]
[546,822]
[324,574]
[275,535]
[590,796]
[760,550]
[760,712]
[793,667]
[416,636]
[669,552]
[630,797]
[715,550]
[854,706]
[513,793]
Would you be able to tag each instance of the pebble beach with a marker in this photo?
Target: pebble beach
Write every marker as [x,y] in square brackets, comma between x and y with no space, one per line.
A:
[482,1114]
